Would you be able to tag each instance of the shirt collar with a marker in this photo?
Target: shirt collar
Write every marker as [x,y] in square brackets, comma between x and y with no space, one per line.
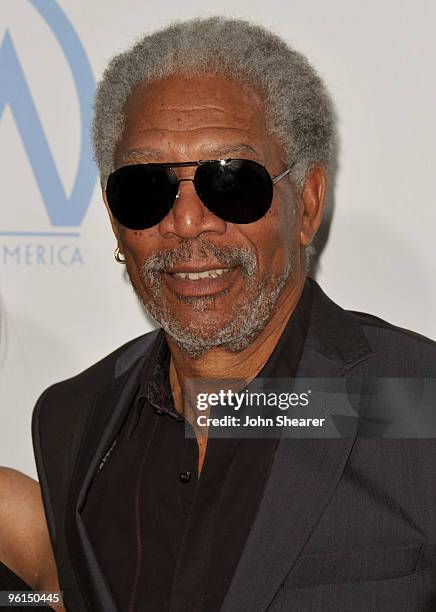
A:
[155,384]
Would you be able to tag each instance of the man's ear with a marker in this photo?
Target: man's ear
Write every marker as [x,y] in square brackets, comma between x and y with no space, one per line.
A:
[114,224]
[312,201]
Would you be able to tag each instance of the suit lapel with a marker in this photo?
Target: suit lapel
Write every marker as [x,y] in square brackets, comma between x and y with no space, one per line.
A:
[110,410]
[304,473]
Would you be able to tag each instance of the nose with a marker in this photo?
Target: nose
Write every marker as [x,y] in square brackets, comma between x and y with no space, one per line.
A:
[189,217]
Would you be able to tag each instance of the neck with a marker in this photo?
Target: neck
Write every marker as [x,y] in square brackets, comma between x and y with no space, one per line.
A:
[245,364]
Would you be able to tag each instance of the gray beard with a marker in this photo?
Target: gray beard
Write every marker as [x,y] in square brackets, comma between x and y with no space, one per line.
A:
[248,318]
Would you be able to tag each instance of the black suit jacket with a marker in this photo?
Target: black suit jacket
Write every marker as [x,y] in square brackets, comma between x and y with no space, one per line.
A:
[344,524]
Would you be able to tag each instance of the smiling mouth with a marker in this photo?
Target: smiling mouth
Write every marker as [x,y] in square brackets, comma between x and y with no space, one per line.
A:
[214,273]
[200,283]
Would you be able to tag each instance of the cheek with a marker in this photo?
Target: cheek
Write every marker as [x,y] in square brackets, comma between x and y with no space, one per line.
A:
[275,236]
[137,246]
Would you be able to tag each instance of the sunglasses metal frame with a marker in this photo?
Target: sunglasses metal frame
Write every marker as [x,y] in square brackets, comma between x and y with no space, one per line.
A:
[198,163]
[201,162]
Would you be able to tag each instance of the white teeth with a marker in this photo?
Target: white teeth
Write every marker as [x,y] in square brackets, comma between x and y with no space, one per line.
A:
[205,274]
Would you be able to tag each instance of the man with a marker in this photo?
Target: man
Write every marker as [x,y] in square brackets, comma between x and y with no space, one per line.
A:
[213,139]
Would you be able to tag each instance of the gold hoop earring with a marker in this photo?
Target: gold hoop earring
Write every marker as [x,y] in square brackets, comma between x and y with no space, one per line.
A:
[119,256]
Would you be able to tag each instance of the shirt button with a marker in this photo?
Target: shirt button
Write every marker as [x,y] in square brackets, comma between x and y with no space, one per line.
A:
[185,477]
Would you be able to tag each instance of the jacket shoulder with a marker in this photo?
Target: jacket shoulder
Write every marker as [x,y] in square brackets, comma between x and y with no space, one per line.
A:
[100,374]
[399,349]
[59,407]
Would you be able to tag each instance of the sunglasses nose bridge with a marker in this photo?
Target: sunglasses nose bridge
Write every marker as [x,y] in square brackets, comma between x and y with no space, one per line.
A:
[185,198]
[182,180]
[188,216]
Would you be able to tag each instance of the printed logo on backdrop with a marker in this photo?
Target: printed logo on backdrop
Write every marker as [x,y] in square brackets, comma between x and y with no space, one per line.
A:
[58,245]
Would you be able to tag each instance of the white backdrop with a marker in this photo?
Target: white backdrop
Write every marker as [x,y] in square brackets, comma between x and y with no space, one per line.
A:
[65,302]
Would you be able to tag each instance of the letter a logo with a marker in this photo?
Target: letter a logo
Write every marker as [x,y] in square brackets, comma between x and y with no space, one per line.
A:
[62,210]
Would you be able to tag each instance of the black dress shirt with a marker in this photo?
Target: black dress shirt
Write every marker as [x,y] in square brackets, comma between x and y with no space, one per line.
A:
[165,538]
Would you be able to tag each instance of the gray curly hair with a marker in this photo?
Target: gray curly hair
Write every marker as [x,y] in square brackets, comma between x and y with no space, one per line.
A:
[298,107]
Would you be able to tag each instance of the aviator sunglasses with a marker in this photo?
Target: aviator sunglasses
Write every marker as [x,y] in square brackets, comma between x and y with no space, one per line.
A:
[236,190]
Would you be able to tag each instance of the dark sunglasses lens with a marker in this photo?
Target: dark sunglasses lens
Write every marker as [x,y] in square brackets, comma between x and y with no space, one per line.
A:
[140,196]
[238,191]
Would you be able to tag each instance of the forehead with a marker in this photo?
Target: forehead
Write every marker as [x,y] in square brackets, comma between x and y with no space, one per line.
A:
[189,116]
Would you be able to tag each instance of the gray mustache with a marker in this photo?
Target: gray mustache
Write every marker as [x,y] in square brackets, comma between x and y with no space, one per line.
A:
[203,251]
